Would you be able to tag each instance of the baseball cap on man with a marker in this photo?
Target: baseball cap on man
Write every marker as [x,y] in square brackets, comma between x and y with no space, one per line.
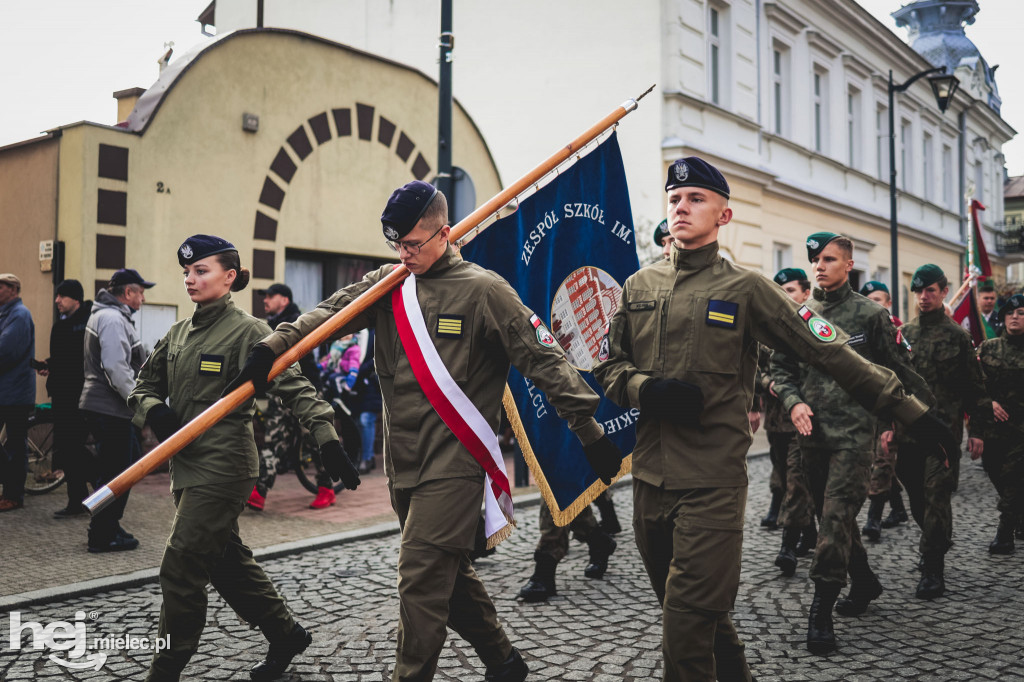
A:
[277,289]
[405,207]
[129,276]
[694,171]
[10,280]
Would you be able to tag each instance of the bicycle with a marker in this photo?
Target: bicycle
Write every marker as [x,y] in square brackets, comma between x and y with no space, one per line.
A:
[40,476]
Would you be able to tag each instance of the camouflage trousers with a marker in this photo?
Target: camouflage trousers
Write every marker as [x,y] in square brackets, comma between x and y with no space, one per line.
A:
[1004,463]
[797,509]
[778,453]
[554,540]
[283,438]
[839,485]
[883,468]
[929,484]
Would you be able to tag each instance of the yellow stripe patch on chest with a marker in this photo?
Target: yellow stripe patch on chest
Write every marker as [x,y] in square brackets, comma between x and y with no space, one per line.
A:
[210,365]
[449,326]
[722,314]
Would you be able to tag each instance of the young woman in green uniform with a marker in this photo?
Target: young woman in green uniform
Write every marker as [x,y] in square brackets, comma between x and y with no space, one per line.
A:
[211,478]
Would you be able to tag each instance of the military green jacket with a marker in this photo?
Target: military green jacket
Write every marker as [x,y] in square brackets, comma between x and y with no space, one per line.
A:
[943,354]
[1002,363]
[493,330]
[699,318]
[840,421]
[191,365]
[776,417]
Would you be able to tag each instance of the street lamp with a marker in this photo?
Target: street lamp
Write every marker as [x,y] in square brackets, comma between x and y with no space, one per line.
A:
[943,87]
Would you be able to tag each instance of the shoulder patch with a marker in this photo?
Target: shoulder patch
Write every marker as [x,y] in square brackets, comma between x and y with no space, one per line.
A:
[722,314]
[543,335]
[805,313]
[822,329]
[857,339]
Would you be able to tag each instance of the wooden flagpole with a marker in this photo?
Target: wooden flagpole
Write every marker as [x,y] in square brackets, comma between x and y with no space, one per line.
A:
[229,403]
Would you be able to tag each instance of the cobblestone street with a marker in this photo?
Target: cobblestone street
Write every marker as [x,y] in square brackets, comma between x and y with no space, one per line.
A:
[597,630]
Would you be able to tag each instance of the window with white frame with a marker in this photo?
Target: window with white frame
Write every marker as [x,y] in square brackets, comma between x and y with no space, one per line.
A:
[979,181]
[718,54]
[782,256]
[882,126]
[780,88]
[947,176]
[928,156]
[906,162]
[853,133]
[819,114]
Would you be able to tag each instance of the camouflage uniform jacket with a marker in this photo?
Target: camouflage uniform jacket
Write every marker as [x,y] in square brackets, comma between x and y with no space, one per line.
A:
[776,417]
[492,329]
[1002,363]
[698,318]
[839,422]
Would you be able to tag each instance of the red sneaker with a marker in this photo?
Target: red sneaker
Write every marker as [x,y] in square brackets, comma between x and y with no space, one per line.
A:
[324,498]
[256,501]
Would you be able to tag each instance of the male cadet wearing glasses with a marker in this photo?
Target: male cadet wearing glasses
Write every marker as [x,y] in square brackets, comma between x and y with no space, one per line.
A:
[684,350]
[479,327]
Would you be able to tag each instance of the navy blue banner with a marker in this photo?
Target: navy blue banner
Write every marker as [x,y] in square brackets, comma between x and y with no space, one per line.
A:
[567,250]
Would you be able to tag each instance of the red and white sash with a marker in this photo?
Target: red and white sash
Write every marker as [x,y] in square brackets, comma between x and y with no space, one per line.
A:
[455,409]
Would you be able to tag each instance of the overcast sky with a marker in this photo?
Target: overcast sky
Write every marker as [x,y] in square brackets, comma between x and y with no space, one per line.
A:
[60,60]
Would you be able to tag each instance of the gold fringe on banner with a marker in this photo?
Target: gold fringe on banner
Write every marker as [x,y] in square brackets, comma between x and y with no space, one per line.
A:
[562,517]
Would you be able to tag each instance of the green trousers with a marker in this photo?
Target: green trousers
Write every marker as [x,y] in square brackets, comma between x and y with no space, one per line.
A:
[437,586]
[797,509]
[554,540]
[204,548]
[691,543]
[929,484]
[839,484]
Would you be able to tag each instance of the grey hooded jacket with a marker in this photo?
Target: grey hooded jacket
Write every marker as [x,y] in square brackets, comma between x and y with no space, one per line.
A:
[113,357]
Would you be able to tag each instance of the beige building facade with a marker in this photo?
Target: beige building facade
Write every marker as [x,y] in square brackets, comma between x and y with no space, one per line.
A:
[286,144]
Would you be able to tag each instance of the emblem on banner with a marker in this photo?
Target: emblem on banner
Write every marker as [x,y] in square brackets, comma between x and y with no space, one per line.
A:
[581,311]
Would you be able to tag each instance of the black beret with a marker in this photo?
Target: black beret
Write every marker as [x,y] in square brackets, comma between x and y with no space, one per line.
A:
[71,288]
[694,171]
[818,241]
[405,207]
[200,246]
[872,286]
[660,232]
[789,275]
[925,276]
[1012,303]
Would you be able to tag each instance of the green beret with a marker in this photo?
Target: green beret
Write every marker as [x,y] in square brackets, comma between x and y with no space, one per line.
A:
[925,276]
[1014,302]
[987,286]
[817,241]
[789,275]
[660,232]
[872,286]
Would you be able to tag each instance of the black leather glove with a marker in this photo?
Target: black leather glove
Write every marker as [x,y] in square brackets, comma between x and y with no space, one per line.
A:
[338,465]
[256,369]
[162,421]
[605,458]
[672,399]
[935,436]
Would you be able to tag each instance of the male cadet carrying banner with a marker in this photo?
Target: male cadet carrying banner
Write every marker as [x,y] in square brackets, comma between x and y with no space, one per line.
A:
[683,350]
[444,343]
[566,251]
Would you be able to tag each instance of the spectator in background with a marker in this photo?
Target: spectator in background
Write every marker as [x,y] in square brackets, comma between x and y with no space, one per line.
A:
[987,306]
[65,376]
[371,404]
[17,388]
[112,359]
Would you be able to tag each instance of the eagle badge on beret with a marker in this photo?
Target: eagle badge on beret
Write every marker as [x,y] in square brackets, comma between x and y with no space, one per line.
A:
[869,287]
[782,277]
[391,233]
[812,243]
[681,171]
[186,251]
[918,282]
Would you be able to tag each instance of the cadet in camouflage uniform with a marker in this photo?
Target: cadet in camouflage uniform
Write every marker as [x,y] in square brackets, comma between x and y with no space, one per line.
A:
[683,350]
[945,358]
[479,326]
[883,486]
[796,513]
[212,476]
[836,435]
[1002,362]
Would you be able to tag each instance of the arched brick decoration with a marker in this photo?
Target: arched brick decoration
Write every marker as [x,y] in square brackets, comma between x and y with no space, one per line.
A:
[272,194]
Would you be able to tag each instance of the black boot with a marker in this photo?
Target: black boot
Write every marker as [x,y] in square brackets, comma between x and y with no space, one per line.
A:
[821,638]
[771,520]
[1003,544]
[541,584]
[786,559]
[609,519]
[932,583]
[513,669]
[808,540]
[897,512]
[864,587]
[601,547]
[281,654]
[873,527]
